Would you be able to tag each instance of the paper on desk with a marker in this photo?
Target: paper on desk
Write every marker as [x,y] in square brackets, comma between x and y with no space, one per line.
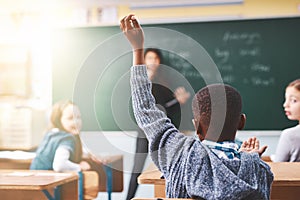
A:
[19,174]
[17,155]
[34,173]
[51,174]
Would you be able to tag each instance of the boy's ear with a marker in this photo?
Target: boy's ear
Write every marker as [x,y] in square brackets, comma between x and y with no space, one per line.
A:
[193,120]
[242,122]
[196,125]
[198,129]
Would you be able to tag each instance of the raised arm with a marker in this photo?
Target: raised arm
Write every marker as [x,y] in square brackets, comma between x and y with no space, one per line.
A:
[161,133]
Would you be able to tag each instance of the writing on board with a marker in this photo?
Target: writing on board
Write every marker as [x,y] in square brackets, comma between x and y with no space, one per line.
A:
[247,38]
[228,57]
[238,57]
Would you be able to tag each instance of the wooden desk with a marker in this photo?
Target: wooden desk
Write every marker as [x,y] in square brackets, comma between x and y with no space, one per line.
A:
[110,171]
[286,184]
[114,162]
[153,176]
[38,185]
[108,167]
[15,159]
[6,163]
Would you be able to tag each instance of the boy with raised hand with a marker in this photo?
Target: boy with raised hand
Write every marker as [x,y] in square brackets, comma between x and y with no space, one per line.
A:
[210,167]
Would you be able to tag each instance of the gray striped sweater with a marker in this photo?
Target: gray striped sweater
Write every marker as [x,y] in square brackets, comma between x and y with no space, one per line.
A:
[189,167]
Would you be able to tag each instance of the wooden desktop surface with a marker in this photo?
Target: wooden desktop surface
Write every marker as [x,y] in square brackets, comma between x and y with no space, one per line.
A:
[286,173]
[29,184]
[286,184]
[22,160]
[33,180]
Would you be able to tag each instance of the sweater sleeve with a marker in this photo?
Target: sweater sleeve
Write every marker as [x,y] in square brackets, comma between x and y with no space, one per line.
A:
[165,141]
[283,148]
[61,161]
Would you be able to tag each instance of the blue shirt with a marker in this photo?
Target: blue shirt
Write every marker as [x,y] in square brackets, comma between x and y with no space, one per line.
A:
[46,150]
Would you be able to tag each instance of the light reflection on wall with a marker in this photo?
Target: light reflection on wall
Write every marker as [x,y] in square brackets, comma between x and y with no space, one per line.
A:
[31,31]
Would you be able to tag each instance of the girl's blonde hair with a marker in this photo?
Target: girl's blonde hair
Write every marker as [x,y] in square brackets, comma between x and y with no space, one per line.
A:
[57,112]
[295,84]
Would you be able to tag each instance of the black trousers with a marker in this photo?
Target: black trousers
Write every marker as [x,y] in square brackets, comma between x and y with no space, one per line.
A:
[141,152]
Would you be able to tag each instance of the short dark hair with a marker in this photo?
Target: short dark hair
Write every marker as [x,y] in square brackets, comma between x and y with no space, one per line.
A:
[218,105]
[154,50]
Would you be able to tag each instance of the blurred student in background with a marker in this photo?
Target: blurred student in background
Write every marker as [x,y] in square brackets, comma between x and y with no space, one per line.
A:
[61,147]
[288,148]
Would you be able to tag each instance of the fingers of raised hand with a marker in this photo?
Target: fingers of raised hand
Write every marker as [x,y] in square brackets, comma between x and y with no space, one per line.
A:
[256,144]
[244,144]
[180,91]
[135,22]
[253,142]
[129,22]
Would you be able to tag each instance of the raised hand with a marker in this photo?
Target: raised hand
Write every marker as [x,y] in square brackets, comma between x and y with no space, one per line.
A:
[133,31]
[135,35]
[252,146]
[181,95]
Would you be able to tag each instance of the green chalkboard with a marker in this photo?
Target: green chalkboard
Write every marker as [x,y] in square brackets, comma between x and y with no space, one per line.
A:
[257,56]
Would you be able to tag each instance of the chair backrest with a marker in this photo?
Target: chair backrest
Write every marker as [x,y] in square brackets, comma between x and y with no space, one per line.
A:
[116,167]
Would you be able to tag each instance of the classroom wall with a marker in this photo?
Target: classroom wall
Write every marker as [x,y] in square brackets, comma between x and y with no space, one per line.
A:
[247,9]
[120,142]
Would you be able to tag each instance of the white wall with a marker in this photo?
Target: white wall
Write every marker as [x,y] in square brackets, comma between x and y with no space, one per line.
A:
[269,138]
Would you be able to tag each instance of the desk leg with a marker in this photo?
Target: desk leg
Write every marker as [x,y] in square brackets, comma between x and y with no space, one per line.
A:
[159,191]
[108,172]
[48,195]
[80,186]
[56,193]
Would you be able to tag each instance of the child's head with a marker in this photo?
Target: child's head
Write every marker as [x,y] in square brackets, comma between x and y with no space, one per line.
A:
[66,116]
[217,110]
[292,100]
[152,58]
